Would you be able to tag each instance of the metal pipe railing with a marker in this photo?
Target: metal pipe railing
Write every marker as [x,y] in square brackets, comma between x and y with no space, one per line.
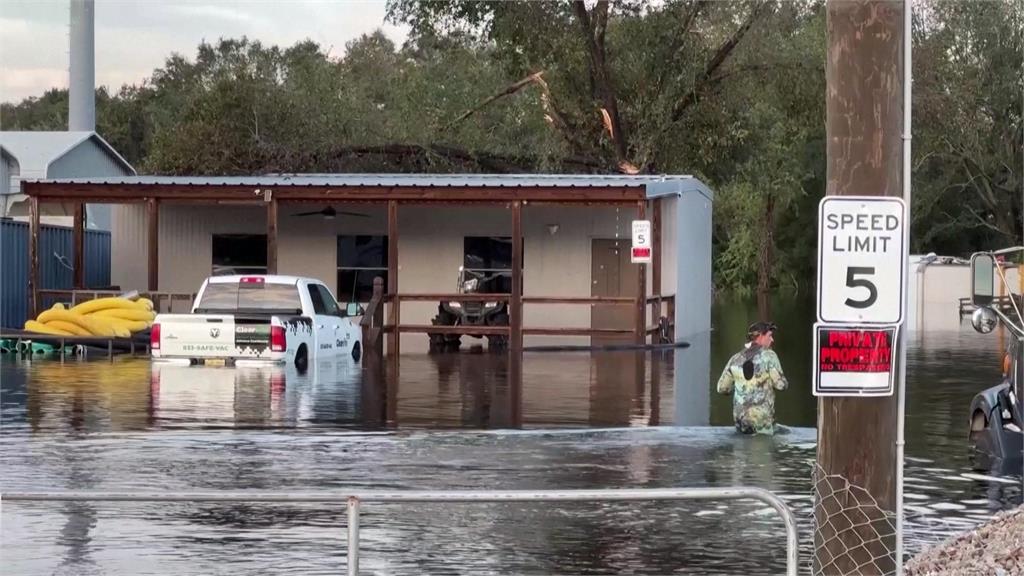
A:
[354,501]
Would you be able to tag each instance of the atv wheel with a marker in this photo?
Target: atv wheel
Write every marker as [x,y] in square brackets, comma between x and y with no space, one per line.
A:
[444,342]
[497,342]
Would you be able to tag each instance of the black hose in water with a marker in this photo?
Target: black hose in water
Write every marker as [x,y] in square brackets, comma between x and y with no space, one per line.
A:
[608,347]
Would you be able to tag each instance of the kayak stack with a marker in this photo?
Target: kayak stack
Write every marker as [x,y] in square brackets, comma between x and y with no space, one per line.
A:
[103,317]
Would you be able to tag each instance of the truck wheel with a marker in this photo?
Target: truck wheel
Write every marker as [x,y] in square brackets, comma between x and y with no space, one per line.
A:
[357,351]
[302,358]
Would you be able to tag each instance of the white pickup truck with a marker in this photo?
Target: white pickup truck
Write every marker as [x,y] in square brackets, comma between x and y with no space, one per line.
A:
[258,319]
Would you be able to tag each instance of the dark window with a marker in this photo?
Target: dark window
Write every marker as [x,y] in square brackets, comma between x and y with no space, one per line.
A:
[329,302]
[360,260]
[490,258]
[239,254]
[232,296]
[318,302]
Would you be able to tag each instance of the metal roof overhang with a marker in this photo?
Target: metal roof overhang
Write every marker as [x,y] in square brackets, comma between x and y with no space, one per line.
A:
[123,193]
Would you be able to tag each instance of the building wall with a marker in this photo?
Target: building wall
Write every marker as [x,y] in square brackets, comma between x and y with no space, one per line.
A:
[934,293]
[128,241]
[89,159]
[430,249]
[8,170]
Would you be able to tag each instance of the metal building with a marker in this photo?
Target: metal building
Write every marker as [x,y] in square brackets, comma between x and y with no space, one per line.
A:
[36,155]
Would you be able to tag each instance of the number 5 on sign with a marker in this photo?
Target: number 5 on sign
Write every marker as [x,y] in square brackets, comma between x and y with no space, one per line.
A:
[861,259]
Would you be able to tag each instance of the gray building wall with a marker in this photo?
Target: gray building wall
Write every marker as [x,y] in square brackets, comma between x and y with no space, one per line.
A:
[8,170]
[693,311]
[89,159]
[430,249]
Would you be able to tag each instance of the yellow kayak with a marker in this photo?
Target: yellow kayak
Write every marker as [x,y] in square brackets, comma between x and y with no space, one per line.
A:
[40,328]
[134,314]
[104,304]
[68,327]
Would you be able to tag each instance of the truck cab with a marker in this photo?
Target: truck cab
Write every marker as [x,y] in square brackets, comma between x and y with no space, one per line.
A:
[996,413]
[243,319]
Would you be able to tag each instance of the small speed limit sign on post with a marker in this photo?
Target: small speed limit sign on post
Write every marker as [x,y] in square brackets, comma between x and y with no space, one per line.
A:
[640,251]
[861,260]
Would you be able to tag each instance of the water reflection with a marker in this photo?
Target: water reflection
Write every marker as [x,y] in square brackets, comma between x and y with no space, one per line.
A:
[456,421]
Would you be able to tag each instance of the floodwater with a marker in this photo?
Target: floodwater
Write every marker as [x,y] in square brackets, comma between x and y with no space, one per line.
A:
[610,420]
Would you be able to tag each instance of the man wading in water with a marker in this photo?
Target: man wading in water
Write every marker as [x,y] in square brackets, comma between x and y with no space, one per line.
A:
[752,376]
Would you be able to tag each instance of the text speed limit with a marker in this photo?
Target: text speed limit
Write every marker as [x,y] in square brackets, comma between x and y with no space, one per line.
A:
[861,265]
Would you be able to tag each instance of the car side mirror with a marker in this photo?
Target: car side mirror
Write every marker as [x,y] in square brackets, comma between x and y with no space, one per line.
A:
[353,309]
[982,279]
[984,320]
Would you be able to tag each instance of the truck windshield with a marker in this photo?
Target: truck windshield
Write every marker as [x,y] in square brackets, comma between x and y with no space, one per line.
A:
[250,297]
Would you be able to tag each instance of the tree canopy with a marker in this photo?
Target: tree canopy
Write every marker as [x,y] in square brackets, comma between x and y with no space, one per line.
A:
[731,92]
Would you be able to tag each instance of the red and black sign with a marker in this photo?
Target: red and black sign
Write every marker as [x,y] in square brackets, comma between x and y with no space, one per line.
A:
[855,350]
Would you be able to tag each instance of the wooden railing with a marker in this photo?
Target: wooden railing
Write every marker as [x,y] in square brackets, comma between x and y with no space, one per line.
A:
[373,318]
[662,310]
[162,301]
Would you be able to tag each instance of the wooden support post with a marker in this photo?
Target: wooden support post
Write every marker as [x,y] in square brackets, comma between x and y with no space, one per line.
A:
[271,232]
[515,304]
[857,436]
[656,263]
[78,239]
[640,330]
[153,210]
[515,320]
[33,256]
[394,337]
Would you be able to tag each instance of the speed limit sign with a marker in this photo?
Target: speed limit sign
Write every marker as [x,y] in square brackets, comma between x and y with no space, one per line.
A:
[861,259]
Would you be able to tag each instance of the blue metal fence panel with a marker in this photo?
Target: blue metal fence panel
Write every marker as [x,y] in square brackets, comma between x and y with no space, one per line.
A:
[14,272]
[56,265]
[97,259]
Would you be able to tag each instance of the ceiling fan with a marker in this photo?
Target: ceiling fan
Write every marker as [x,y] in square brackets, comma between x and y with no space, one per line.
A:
[329,213]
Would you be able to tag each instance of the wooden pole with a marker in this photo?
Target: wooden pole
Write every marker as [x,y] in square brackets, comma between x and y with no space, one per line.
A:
[515,318]
[394,337]
[640,329]
[271,233]
[153,210]
[78,239]
[656,263]
[515,305]
[857,436]
[33,256]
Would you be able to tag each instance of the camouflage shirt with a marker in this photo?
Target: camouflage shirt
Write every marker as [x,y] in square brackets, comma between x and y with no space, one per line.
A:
[752,377]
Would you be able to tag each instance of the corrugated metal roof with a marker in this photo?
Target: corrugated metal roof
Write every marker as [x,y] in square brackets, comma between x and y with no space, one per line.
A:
[35,151]
[390,180]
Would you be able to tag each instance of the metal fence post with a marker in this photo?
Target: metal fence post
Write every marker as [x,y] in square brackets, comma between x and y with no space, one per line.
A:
[353,536]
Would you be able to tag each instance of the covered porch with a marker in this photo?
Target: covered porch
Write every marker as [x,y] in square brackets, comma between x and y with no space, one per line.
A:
[165,223]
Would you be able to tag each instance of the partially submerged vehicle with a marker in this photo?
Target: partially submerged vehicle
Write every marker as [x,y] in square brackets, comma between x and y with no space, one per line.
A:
[471,312]
[258,319]
[996,413]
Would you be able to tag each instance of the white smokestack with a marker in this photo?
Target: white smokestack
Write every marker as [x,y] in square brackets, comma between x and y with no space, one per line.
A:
[82,81]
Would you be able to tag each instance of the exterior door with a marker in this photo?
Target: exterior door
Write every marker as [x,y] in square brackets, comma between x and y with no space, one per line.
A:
[612,274]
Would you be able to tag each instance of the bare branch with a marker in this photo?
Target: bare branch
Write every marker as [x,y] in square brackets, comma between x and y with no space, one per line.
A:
[677,43]
[716,61]
[601,84]
[984,223]
[508,91]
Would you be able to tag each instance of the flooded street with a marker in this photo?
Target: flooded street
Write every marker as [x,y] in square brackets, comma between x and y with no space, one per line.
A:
[611,420]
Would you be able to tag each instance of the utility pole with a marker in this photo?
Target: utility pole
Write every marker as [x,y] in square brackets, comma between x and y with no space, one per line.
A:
[857,436]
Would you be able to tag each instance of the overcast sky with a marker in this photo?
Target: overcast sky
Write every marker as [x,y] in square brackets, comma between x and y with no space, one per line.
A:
[135,36]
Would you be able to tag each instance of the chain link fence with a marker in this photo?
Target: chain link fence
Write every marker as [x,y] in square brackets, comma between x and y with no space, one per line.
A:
[853,533]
